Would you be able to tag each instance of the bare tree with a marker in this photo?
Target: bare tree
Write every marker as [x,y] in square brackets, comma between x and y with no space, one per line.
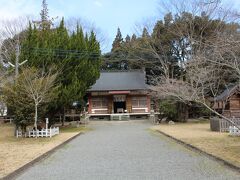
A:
[32,86]
[11,35]
[210,58]
[201,83]
[4,78]
[38,87]
[2,104]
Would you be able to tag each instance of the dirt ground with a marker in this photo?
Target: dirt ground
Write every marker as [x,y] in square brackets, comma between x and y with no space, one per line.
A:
[15,152]
[199,135]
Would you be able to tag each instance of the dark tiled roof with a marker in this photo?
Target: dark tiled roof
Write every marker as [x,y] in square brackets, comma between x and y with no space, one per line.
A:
[227,93]
[120,80]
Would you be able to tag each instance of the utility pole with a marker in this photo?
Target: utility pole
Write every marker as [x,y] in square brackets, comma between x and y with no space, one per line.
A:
[17,59]
[17,64]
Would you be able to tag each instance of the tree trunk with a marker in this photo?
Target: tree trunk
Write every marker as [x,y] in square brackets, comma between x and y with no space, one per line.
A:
[64,117]
[36,116]
[186,112]
[15,129]
[182,111]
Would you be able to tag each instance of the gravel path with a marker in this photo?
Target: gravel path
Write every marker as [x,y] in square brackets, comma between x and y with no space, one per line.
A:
[126,150]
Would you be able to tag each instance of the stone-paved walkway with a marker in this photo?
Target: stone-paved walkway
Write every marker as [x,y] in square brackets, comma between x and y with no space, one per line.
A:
[126,150]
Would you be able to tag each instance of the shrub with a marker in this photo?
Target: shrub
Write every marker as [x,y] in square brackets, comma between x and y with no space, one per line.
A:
[168,108]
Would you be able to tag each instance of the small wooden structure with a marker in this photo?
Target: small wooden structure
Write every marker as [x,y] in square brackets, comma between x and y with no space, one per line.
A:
[228,103]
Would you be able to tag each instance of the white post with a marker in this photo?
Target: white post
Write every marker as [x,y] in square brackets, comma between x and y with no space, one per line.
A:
[47,123]
[50,132]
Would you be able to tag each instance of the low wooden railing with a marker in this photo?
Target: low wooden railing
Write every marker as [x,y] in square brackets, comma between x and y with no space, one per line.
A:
[39,133]
[224,125]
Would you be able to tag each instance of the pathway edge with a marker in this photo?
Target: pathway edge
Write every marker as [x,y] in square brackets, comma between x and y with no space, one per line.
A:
[25,167]
[196,149]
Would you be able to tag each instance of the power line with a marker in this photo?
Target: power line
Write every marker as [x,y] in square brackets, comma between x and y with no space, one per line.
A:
[63,50]
[64,53]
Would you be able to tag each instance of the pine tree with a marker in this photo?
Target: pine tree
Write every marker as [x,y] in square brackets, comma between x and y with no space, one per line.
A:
[145,33]
[158,30]
[168,19]
[134,38]
[44,11]
[45,22]
[127,39]
[117,43]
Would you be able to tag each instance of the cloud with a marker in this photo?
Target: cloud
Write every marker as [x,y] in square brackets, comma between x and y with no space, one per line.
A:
[98,3]
[15,8]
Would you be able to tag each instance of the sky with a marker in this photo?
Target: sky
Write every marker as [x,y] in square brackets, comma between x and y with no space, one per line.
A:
[105,15]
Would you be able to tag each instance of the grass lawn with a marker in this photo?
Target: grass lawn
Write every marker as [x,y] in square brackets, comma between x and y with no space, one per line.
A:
[199,135]
[15,152]
[74,129]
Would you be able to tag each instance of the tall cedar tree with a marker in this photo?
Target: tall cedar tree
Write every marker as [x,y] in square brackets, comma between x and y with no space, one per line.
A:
[117,43]
[127,39]
[45,22]
[116,59]
[145,33]
[76,55]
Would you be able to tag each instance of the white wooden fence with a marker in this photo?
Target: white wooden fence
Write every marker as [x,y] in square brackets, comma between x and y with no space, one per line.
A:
[39,133]
[234,131]
[224,125]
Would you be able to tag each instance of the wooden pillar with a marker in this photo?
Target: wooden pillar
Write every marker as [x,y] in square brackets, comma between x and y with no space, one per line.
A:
[110,104]
[148,103]
[89,104]
[129,104]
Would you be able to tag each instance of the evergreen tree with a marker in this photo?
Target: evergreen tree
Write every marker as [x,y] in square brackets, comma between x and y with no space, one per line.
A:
[117,43]
[45,23]
[168,19]
[145,33]
[44,11]
[76,55]
[127,39]
[134,38]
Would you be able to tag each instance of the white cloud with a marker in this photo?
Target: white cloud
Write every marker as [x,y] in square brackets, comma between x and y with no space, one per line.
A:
[14,8]
[98,3]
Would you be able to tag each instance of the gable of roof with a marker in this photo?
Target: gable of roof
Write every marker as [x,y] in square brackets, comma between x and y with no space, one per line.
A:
[120,80]
[227,93]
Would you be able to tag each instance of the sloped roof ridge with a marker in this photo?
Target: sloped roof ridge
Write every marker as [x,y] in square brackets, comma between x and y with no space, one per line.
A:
[120,80]
[231,89]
